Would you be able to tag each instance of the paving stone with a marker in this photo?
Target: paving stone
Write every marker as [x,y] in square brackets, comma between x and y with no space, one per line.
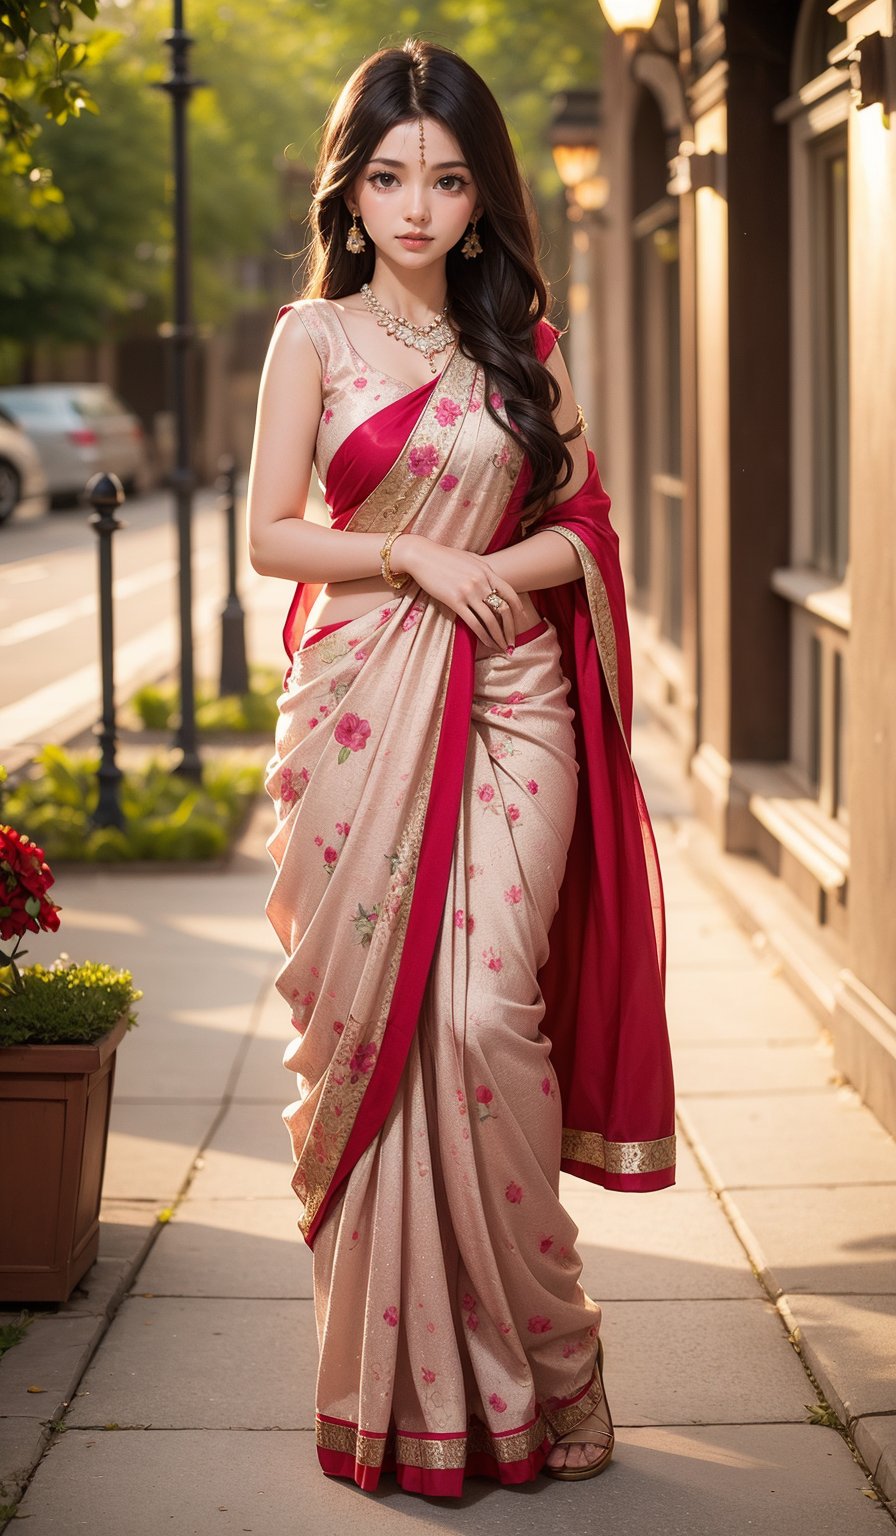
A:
[210,1364]
[152,1148]
[192,1017]
[701,1362]
[758,1140]
[875,1437]
[706,1005]
[51,1356]
[262,1075]
[672,1243]
[22,1441]
[850,1342]
[761,1479]
[230,1248]
[770,1067]
[826,1240]
[249,1155]
[704,937]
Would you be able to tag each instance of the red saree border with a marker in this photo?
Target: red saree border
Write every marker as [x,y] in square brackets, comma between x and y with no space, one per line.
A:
[424,919]
[425,1461]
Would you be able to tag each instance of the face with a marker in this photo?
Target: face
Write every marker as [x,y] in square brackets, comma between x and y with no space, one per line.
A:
[395,196]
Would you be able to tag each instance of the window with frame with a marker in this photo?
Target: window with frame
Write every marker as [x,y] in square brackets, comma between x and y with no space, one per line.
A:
[816,583]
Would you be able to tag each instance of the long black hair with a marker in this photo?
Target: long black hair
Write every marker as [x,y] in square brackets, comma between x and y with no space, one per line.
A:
[494,301]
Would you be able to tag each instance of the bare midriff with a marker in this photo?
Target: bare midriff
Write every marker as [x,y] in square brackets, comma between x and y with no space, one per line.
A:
[340,600]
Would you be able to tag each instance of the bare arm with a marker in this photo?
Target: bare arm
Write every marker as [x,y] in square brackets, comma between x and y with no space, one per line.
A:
[281,543]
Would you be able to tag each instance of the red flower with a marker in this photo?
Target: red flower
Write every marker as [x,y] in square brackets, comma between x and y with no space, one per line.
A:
[513,1193]
[390,1316]
[545,1244]
[352,732]
[427,1374]
[25,879]
[423,460]
[484,1095]
[539,1324]
[497,1403]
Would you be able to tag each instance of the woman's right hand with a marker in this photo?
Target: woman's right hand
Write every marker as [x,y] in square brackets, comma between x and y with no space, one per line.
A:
[461,580]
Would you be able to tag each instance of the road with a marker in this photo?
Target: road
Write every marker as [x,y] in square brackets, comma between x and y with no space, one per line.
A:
[49,637]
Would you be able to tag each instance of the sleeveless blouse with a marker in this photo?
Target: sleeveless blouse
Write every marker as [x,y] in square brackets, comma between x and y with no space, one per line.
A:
[351,389]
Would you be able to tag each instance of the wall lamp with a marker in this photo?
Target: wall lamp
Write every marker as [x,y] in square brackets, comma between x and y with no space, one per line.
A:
[633,20]
[574,139]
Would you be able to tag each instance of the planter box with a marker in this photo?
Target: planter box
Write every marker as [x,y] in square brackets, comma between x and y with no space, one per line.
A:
[55,1102]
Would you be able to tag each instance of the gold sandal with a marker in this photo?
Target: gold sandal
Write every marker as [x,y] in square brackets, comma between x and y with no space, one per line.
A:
[580,1436]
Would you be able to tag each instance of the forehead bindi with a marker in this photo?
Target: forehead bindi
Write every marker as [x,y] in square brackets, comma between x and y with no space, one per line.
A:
[399,148]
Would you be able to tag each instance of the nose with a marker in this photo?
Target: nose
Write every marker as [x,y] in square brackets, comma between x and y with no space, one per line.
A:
[417,213]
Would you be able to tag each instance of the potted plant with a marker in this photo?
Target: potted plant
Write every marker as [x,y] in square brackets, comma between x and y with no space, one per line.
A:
[60,1027]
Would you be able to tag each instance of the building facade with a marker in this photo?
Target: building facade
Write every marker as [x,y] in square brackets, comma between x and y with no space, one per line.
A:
[738,294]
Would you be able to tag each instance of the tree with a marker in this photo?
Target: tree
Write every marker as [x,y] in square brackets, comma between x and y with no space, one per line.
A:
[269,74]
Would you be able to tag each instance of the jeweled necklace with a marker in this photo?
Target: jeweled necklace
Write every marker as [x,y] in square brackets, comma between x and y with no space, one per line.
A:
[428,339]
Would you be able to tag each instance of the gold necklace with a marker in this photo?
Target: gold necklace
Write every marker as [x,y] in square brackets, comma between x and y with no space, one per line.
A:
[428,339]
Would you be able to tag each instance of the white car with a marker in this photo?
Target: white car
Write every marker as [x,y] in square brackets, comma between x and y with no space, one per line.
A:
[78,429]
[22,477]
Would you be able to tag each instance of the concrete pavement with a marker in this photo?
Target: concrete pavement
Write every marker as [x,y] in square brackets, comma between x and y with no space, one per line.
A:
[181,1373]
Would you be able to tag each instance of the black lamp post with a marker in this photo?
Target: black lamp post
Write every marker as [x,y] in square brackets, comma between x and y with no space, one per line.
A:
[180,87]
[234,667]
[105,494]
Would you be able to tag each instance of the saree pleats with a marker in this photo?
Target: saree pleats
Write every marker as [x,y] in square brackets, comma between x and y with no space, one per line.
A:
[455,1335]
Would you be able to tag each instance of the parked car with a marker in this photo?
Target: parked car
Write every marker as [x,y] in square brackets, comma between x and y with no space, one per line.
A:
[78,429]
[22,477]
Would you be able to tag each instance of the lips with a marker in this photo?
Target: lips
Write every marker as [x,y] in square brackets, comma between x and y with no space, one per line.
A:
[420,239]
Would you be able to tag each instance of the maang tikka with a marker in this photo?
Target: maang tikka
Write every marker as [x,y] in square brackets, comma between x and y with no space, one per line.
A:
[472,246]
[355,241]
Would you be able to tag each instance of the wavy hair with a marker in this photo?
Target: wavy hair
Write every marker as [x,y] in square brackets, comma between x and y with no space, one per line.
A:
[494,302]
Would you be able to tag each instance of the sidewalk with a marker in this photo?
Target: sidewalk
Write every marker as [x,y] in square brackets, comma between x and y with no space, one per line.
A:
[184,1365]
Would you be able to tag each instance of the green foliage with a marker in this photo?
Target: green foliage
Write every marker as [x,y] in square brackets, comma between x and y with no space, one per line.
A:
[166,816]
[44,47]
[67,1004]
[100,262]
[252,712]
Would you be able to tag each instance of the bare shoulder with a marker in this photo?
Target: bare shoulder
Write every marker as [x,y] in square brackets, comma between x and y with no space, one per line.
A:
[565,417]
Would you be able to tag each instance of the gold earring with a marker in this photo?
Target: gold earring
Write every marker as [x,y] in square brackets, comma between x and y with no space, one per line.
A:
[355,241]
[472,246]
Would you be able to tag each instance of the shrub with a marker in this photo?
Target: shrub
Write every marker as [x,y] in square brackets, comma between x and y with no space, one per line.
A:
[165,816]
[67,1004]
[252,712]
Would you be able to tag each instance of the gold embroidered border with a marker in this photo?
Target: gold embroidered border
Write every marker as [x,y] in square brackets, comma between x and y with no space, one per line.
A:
[605,635]
[601,616]
[619,1156]
[506,1448]
[316,1176]
[400,494]
[451,1452]
[368,1450]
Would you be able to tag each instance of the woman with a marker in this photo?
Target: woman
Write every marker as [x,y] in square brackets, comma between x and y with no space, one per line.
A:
[466,884]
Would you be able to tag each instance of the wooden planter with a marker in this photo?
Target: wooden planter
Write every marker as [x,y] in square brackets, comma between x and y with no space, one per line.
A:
[55,1102]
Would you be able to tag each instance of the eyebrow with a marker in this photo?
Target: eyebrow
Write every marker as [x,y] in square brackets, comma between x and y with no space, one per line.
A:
[401,165]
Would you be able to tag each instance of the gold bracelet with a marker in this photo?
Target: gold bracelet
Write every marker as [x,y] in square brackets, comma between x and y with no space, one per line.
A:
[385,563]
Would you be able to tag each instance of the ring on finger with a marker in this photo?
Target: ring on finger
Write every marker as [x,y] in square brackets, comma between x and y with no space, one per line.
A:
[495,601]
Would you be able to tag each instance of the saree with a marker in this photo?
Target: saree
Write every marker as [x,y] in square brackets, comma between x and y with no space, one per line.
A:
[468,895]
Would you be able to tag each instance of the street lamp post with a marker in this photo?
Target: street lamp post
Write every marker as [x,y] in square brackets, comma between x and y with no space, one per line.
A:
[234,666]
[180,87]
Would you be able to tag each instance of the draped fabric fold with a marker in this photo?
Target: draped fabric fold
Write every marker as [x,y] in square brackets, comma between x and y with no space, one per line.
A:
[371,754]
